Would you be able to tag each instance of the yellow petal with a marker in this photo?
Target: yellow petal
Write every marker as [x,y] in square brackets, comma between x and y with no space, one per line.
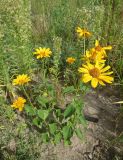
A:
[107,79]
[94,82]
[20,109]
[85,66]
[107,73]
[107,48]
[83,70]
[105,69]
[86,78]
[102,61]
[35,53]
[101,66]
[90,66]
[92,49]
[97,64]
[88,33]
[78,29]
[81,34]
[96,43]
[38,50]
[87,53]
[102,83]
[39,56]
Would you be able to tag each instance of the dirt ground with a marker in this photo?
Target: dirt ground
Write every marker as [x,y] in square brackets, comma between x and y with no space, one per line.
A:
[100,141]
[104,126]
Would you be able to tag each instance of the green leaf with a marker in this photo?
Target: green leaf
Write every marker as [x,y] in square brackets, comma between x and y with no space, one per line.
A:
[83,87]
[67,132]
[58,138]
[43,100]
[30,110]
[79,133]
[53,128]
[69,111]
[45,137]
[36,121]
[82,121]
[69,89]
[58,112]
[50,87]
[67,142]
[43,114]
[78,104]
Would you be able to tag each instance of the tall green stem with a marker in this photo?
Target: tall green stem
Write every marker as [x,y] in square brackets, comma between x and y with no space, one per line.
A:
[44,71]
[26,94]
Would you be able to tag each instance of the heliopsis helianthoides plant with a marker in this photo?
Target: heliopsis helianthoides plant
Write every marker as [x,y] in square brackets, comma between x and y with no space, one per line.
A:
[99,49]
[83,32]
[21,79]
[92,56]
[70,60]
[96,73]
[19,103]
[42,53]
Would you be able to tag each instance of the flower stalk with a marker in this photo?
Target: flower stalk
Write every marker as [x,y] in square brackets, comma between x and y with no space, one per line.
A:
[27,96]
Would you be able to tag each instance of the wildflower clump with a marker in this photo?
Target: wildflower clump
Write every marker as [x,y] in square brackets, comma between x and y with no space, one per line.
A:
[19,103]
[94,67]
[42,53]
[70,60]
[45,106]
[21,79]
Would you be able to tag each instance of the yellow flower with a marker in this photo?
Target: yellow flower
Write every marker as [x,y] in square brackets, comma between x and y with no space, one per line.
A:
[92,56]
[70,60]
[21,79]
[100,49]
[96,74]
[19,103]
[83,32]
[42,52]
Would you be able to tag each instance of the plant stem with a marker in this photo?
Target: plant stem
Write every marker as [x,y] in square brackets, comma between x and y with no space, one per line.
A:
[44,71]
[26,94]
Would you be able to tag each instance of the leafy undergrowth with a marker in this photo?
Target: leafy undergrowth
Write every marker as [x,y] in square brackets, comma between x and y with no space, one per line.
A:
[22,136]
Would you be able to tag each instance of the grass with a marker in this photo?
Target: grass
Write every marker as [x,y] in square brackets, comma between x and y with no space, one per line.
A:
[31,24]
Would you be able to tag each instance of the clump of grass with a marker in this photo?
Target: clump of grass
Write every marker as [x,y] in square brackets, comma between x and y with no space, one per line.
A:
[15,40]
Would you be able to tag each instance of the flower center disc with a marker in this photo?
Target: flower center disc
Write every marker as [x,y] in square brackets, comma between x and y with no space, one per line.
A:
[98,48]
[42,53]
[93,56]
[85,34]
[94,72]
